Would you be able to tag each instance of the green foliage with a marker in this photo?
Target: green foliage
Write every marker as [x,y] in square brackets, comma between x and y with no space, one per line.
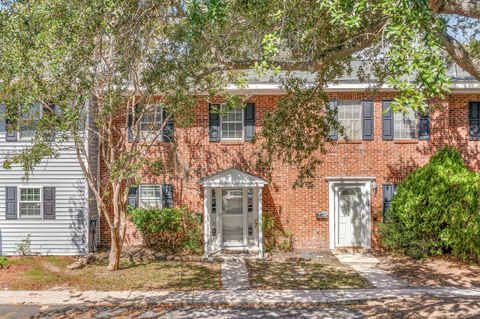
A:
[3,262]
[436,210]
[23,247]
[170,230]
[275,239]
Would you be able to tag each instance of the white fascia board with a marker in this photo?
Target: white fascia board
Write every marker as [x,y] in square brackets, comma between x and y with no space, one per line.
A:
[265,88]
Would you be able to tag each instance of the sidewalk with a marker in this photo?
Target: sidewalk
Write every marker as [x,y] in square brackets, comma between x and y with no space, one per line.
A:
[227,297]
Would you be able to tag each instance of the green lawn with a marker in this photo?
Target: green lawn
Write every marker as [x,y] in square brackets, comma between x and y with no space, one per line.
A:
[37,273]
[302,275]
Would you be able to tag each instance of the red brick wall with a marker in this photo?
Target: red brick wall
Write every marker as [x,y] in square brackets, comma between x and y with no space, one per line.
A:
[387,161]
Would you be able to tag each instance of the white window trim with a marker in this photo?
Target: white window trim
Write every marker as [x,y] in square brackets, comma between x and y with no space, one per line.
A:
[140,193]
[152,135]
[360,119]
[406,138]
[19,192]
[19,137]
[221,130]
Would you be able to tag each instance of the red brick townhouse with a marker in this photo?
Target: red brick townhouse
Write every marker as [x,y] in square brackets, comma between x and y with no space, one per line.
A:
[354,184]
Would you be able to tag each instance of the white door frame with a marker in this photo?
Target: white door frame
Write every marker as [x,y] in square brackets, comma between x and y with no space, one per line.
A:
[365,185]
[217,244]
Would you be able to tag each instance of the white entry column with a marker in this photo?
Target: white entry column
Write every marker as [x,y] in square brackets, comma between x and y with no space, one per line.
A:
[206,222]
[260,223]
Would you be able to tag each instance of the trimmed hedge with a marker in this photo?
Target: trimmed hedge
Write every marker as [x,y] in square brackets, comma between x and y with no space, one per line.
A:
[436,210]
[169,230]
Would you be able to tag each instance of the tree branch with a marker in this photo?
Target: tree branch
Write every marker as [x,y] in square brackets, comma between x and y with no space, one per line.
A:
[461,56]
[466,8]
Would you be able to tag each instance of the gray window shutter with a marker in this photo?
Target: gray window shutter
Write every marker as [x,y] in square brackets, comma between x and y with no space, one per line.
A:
[474,121]
[11,202]
[11,131]
[167,196]
[213,122]
[49,203]
[424,126]
[388,191]
[368,120]
[167,134]
[387,121]
[133,197]
[333,134]
[249,121]
[3,114]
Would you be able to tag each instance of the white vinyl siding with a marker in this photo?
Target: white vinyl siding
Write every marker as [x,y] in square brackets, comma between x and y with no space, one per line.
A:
[30,202]
[67,233]
[405,125]
[150,124]
[232,124]
[350,117]
[150,196]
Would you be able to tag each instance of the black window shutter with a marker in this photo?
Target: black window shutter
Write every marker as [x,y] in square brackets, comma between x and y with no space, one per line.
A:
[249,121]
[333,134]
[130,129]
[424,126]
[388,191]
[214,122]
[133,197]
[387,121]
[474,120]
[49,203]
[11,202]
[368,120]
[11,131]
[168,129]
[167,196]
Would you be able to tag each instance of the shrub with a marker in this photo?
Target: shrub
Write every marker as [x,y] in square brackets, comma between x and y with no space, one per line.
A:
[436,210]
[3,262]
[274,238]
[169,230]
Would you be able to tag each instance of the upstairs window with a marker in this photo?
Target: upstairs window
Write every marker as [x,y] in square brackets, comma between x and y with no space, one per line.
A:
[405,125]
[350,117]
[28,121]
[232,124]
[150,123]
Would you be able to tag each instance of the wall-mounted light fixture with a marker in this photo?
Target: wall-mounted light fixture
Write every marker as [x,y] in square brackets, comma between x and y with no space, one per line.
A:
[374,187]
[321,215]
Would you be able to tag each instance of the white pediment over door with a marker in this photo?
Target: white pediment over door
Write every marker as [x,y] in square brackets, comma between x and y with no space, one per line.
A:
[232,177]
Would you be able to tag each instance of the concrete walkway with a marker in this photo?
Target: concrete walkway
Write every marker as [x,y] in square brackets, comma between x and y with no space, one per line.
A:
[235,274]
[366,266]
[222,297]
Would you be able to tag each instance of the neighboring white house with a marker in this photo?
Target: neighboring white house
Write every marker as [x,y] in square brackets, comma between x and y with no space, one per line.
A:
[48,213]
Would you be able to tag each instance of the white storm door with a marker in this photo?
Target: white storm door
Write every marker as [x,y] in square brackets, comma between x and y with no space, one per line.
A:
[350,221]
[232,217]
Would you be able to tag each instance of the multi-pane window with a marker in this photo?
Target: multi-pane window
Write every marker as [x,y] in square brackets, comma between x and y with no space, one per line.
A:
[151,122]
[150,196]
[232,124]
[405,125]
[350,117]
[29,120]
[30,202]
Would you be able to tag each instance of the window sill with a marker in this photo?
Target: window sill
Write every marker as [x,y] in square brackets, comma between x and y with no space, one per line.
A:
[406,141]
[350,142]
[232,142]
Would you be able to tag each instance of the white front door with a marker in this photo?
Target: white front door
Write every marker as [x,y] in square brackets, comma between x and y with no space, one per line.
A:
[232,217]
[351,217]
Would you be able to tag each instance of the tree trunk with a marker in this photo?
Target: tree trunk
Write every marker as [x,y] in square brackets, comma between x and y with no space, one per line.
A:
[115,250]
